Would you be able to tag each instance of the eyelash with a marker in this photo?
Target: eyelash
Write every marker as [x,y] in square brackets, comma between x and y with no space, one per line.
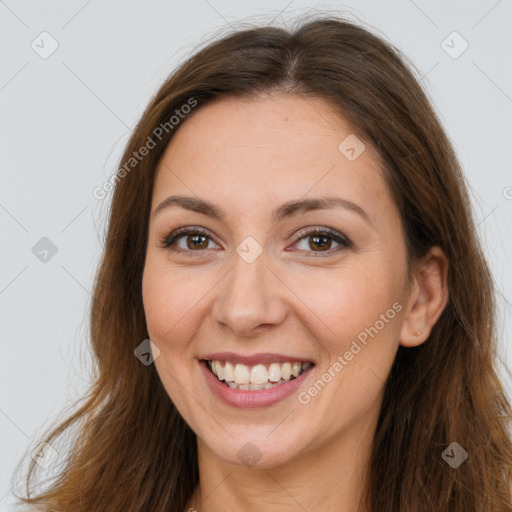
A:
[170,239]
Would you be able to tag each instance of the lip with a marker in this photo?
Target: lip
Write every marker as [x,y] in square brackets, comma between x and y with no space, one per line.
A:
[252,399]
[254,359]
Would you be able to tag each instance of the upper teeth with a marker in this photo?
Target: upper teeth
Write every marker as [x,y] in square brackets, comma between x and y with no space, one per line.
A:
[258,374]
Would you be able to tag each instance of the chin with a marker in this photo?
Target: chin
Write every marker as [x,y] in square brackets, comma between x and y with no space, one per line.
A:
[254,451]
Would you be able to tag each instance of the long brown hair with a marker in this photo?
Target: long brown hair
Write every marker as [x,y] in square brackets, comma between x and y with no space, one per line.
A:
[132,451]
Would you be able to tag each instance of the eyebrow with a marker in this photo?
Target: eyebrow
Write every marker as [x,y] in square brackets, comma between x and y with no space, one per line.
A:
[284,211]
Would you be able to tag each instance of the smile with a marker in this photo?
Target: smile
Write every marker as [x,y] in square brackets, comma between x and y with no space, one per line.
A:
[258,377]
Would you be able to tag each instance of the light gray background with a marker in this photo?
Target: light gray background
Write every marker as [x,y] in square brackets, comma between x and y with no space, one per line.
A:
[65,120]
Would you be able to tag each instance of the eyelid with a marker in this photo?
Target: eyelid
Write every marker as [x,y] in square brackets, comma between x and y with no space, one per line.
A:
[333,234]
[324,230]
[168,240]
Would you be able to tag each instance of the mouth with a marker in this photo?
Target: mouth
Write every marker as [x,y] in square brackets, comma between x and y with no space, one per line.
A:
[257,377]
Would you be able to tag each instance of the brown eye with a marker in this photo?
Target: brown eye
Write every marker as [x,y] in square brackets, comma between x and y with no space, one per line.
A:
[195,240]
[321,240]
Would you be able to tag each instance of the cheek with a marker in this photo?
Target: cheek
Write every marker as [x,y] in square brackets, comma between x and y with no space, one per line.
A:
[170,302]
[348,301]
[169,306]
[356,322]
[176,303]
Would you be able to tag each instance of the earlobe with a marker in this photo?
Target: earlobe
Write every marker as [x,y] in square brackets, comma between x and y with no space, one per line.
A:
[427,299]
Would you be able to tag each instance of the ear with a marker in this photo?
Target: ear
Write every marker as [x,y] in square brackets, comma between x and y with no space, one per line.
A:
[427,298]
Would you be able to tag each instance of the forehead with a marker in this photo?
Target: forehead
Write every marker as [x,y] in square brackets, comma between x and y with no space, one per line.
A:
[270,149]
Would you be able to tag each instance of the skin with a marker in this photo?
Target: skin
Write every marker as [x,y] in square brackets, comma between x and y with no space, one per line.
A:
[249,157]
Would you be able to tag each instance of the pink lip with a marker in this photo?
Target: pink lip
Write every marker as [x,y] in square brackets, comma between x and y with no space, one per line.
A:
[251,399]
[254,359]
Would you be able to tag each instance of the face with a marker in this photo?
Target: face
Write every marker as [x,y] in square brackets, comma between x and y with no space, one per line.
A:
[258,285]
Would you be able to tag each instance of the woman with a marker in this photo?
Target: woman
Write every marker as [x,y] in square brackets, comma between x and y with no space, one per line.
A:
[359,379]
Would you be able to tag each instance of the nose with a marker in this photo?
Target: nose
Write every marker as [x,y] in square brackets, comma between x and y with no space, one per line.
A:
[250,298]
